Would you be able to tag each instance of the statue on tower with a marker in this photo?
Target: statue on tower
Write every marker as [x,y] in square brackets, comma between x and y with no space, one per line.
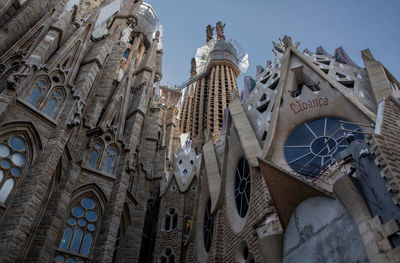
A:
[193,67]
[209,32]
[220,30]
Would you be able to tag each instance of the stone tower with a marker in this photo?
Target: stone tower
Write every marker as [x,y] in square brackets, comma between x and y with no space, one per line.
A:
[207,97]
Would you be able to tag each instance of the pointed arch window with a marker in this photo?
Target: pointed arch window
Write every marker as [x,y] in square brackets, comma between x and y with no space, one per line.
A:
[79,232]
[167,256]
[170,219]
[14,155]
[54,102]
[110,160]
[94,155]
[40,85]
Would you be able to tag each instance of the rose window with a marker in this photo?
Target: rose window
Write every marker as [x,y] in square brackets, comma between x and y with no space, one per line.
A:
[208,226]
[13,159]
[242,187]
[312,146]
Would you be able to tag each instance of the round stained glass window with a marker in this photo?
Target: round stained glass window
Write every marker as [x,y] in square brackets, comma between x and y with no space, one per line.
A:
[4,150]
[72,221]
[91,216]
[77,211]
[91,227]
[18,159]
[312,146]
[17,143]
[87,203]
[208,226]
[5,164]
[242,187]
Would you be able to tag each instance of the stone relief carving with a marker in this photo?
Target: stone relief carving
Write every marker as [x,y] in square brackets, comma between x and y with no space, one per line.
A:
[77,115]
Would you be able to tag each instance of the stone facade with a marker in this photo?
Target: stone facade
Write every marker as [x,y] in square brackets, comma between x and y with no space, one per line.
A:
[79,113]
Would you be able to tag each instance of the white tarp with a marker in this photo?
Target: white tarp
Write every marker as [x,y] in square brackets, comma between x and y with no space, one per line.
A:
[203,54]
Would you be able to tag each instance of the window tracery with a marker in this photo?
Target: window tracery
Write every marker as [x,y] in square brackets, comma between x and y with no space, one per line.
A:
[208,227]
[94,155]
[102,156]
[79,232]
[167,256]
[54,101]
[110,160]
[170,219]
[242,187]
[47,94]
[14,154]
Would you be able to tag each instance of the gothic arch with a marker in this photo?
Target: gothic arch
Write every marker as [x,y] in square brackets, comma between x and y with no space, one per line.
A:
[93,190]
[25,128]
[81,224]
[19,146]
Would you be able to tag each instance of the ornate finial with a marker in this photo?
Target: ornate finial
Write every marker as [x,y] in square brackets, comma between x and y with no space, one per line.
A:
[193,67]
[220,30]
[209,32]
[284,43]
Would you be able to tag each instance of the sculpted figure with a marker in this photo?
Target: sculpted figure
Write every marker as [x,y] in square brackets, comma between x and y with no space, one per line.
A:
[220,30]
[77,116]
[126,34]
[193,67]
[209,32]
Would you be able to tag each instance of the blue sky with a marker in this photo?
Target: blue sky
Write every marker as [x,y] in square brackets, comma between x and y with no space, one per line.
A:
[353,24]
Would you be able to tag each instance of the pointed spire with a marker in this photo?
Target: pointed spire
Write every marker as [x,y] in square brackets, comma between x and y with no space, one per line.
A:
[321,51]
[342,57]
[149,60]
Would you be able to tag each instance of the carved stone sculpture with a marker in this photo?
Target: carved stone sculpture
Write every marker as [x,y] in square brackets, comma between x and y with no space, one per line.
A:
[220,30]
[193,67]
[210,32]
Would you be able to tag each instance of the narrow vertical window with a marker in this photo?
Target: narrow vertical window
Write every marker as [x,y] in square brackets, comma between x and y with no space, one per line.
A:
[33,97]
[109,163]
[94,155]
[54,102]
[170,219]
[50,107]
[188,223]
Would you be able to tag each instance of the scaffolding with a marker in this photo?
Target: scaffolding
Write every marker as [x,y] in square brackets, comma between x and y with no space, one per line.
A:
[313,171]
[203,60]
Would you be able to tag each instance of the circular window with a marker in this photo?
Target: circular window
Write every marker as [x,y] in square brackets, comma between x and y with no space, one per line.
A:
[208,226]
[311,147]
[242,187]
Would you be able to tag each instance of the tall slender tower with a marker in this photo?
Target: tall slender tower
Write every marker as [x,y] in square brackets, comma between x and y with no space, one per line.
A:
[215,71]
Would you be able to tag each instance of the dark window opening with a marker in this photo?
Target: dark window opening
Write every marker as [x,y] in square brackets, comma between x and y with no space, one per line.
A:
[126,53]
[264,136]
[262,108]
[340,75]
[347,84]
[274,85]
[265,80]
